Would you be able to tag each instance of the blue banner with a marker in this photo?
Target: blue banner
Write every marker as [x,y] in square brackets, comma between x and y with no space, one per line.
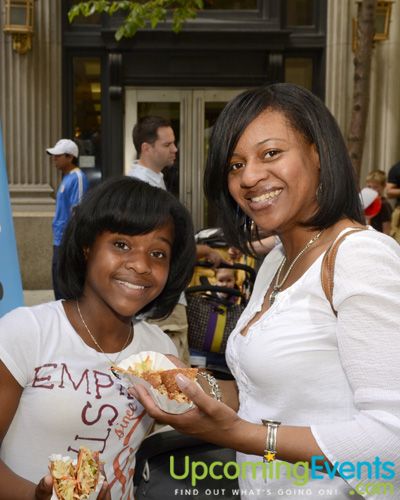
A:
[11,294]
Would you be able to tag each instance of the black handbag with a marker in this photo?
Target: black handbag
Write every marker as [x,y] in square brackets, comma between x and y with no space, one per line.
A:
[153,479]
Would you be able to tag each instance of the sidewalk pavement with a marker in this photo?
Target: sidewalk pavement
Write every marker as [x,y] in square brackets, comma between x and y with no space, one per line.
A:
[33,297]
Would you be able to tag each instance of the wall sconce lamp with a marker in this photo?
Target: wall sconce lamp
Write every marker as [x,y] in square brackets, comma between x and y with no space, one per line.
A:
[19,24]
[382,22]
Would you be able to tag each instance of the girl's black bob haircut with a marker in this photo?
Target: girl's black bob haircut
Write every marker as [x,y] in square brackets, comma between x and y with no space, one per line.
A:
[128,206]
[308,115]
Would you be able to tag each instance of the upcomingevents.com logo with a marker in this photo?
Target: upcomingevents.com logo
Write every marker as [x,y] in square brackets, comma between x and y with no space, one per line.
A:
[374,477]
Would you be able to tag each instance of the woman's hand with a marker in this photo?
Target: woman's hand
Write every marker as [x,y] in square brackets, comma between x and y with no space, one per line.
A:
[211,420]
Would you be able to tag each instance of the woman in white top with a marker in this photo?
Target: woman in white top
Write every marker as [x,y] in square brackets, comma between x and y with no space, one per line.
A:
[330,383]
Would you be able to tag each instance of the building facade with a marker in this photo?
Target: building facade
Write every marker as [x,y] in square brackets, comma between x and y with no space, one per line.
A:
[79,82]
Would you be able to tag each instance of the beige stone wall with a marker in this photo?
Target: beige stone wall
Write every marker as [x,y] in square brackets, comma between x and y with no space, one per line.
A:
[382,144]
[30,113]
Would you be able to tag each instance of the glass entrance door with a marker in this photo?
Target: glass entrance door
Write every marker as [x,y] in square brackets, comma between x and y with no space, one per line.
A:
[193,113]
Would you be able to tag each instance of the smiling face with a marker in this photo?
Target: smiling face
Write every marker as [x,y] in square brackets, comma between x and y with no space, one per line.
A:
[225,277]
[128,272]
[274,174]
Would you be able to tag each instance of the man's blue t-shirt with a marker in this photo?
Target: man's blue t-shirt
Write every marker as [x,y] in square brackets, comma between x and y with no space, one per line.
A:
[69,194]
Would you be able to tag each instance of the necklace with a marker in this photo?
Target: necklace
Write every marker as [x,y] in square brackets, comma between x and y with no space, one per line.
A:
[278,286]
[115,361]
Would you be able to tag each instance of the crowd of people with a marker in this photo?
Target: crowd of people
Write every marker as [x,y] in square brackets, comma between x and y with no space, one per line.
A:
[315,356]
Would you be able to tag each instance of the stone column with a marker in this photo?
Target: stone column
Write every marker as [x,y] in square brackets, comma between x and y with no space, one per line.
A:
[339,61]
[30,114]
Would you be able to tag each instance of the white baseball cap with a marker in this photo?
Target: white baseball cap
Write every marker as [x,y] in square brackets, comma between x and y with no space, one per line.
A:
[64,147]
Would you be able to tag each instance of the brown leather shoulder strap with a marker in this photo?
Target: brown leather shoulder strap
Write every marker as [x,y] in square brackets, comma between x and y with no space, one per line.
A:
[328,265]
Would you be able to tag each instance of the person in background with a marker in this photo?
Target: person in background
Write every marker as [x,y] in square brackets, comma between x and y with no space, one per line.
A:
[127,253]
[317,385]
[74,184]
[393,184]
[225,277]
[395,224]
[376,180]
[154,141]
[393,192]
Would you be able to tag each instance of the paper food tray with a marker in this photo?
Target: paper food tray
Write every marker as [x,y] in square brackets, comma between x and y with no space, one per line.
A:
[158,362]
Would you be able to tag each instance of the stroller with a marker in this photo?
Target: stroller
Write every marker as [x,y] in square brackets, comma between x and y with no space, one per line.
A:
[214,238]
[213,311]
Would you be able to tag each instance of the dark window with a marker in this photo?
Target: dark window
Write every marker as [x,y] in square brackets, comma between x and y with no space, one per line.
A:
[86,109]
[299,70]
[230,4]
[299,12]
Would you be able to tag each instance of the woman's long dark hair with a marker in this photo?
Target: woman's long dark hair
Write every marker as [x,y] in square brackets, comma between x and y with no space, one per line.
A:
[309,116]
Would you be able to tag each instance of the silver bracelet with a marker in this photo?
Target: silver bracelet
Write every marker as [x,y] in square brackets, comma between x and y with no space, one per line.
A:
[215,390]
[270,440]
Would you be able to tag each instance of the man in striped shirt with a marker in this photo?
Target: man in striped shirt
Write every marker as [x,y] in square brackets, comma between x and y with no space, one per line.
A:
[74,183]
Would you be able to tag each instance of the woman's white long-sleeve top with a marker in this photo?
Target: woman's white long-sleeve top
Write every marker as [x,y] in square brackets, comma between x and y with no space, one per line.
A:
[301,365]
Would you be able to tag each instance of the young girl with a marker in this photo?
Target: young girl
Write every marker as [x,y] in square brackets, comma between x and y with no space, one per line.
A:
[128,253]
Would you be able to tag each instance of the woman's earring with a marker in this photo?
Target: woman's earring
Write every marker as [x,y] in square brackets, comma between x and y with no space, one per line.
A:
[250,229]
[318,193]
[253,231]
[246,225]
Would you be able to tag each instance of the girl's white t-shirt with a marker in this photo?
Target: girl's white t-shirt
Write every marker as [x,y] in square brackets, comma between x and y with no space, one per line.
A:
[70,397]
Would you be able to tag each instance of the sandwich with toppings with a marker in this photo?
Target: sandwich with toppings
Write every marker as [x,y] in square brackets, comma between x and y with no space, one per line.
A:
[75,479]
[162,380]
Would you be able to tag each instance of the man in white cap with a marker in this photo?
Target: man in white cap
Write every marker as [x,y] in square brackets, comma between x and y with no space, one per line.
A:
[74,183]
